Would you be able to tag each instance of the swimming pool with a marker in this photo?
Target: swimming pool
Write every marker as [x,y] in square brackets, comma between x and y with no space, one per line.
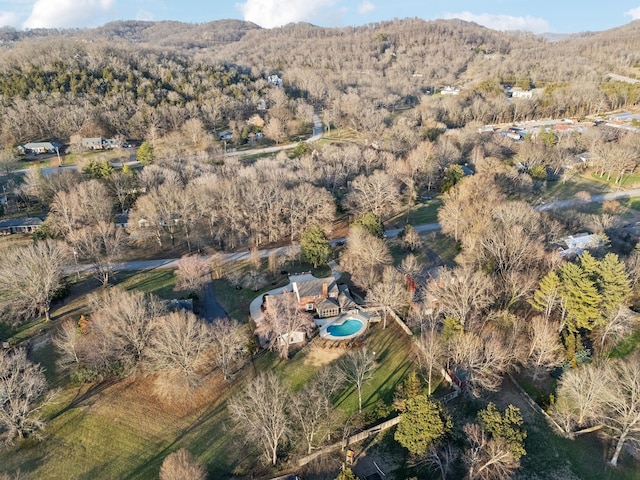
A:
[346,328]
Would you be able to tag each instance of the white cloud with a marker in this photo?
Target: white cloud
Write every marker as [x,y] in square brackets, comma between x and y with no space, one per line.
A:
[9,19]
[634,13]
[504,22]
[275,13]
[365,7]
[67,13]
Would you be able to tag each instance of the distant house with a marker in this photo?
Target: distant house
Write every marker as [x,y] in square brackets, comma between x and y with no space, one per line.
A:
[225,135]
[275,80]
[624,117]
[122,220]
[448,90]
[176,305]
[577,244]
[19,225]
[39,147]
[98,143]
[582,160]
[520,93]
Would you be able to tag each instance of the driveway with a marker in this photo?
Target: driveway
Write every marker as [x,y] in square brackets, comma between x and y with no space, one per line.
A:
[210,307]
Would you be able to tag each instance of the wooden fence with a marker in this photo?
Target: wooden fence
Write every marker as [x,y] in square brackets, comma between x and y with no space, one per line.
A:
[351,440]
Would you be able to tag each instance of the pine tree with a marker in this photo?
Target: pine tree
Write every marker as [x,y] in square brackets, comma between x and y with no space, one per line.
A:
[314,246]
[507,426]
[145,153]
[613,283]
[580,297]
[547,297]
[423,424]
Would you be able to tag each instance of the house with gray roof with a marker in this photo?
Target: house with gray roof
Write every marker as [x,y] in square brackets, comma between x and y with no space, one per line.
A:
[19,225]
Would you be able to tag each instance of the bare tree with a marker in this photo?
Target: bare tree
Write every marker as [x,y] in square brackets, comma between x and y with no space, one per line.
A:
[376,193]
[181,465]
[178,350]
[22,385]
[85,205]
[411,266]
[30,278]
[68,341]
[358,366]
[312,407]
[365,257]
[484,358]
[193,273]
[282,319]
[430,351]
[544,347]
[125,322]
[389,293]
[622,411]
[229,340]
[99,244]
[487,458]
[581,397]
[617,324]
[461,292]
[441,459]
[261,413]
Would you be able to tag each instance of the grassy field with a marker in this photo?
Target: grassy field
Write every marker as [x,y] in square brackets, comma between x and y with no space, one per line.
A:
[628,181]
[564,190]
[633,203]
[121,431]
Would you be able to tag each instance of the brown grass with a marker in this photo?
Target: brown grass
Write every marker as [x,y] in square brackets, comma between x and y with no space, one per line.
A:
[318,356]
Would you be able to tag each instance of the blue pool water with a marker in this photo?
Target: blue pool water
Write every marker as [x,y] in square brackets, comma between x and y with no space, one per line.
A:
[346,328]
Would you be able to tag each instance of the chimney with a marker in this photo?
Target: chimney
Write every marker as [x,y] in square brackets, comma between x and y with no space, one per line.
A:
[325,290]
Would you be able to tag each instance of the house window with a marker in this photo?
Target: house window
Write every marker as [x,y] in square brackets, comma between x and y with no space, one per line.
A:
[309,307]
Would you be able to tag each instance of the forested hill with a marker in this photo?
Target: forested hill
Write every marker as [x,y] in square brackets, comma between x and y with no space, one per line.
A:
[131,76]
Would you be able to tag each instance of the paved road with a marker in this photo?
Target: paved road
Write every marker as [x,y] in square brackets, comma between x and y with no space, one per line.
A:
[597,198]
[50,170]
[622,78]
[318,128]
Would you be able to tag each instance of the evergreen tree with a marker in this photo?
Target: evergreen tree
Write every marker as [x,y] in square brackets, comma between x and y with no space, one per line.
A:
[452,176]
[371,224]
[314,246]
[613,283]
[547,296]
[580,298]
[145,153]
[507,426]
[424,423]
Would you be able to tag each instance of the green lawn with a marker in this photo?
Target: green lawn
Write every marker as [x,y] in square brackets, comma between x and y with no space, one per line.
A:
[159,282]
[585,458]
[633,203]
[564,190]
[120,432]
[630,180]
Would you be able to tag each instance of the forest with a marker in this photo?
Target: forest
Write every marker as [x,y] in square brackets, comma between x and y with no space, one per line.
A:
[441,218]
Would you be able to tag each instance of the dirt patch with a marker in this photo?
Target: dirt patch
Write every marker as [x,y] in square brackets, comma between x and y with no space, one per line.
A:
[317,356]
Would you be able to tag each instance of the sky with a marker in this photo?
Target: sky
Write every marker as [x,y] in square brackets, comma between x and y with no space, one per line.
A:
[537,16]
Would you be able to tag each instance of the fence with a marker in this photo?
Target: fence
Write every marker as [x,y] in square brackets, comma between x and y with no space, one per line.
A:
[352,439]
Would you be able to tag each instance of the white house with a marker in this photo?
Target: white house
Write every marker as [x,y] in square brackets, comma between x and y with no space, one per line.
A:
[448,90]
[519,93]
[577,244]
